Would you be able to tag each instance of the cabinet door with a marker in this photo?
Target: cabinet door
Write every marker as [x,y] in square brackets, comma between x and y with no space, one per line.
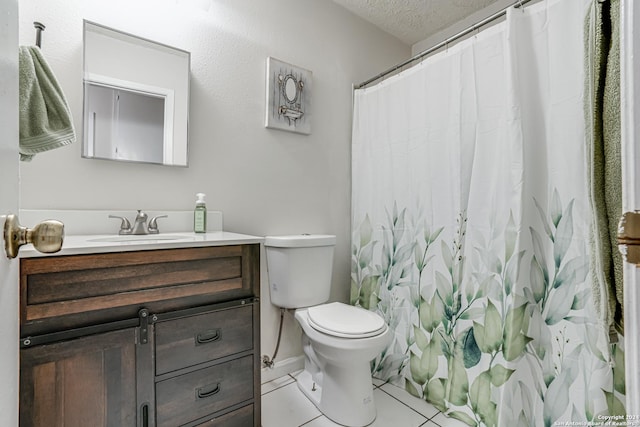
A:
[88,381]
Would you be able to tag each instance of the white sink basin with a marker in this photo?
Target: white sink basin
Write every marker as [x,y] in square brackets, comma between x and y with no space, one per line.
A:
[141,238]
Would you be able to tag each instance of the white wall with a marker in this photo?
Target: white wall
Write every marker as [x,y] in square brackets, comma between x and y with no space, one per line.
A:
[463,25]
[264,181]
[9,295]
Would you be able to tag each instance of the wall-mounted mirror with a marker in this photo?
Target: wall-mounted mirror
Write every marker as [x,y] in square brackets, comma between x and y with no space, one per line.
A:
[136,98]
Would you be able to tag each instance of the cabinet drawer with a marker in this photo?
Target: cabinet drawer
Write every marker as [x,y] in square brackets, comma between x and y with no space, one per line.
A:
[194,395]
[71,291]
[242,417]
[196,339]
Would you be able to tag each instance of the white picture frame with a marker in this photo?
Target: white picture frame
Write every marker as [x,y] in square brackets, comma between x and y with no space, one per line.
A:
[288,100]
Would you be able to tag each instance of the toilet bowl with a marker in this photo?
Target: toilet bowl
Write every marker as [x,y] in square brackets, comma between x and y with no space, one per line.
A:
[339,342]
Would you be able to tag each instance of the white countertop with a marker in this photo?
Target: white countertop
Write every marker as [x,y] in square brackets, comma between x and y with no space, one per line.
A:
[105,243]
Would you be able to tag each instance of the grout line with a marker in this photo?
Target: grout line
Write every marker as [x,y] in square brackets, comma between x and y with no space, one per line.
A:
[434,415]
[277,388]
[424,424]
[393,397]
[438,412]
[378,386]
[312,419]
[270,391]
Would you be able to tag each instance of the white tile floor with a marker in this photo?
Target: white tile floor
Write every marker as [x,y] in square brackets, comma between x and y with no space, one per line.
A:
[284,405]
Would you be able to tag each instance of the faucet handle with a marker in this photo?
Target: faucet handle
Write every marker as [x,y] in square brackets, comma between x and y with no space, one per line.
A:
[125,225]
[152,228]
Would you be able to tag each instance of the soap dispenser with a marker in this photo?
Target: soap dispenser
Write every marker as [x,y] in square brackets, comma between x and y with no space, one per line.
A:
[200,215]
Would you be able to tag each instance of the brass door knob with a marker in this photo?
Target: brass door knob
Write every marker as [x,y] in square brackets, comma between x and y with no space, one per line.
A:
[46,237]
[629,236]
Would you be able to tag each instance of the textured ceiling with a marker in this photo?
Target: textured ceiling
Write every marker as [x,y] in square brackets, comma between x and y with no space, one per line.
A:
[413,20]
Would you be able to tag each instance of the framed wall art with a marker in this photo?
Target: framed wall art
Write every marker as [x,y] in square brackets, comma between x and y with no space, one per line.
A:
[288,97]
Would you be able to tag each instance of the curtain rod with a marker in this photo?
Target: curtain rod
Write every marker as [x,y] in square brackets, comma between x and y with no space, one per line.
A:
[445,42]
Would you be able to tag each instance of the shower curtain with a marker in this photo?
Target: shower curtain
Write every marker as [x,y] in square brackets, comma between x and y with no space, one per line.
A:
[471,227]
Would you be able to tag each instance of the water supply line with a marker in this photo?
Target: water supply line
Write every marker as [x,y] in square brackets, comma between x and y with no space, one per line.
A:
[266,361]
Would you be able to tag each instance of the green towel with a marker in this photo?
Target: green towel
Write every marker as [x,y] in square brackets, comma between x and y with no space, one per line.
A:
[45,118]
[605,165]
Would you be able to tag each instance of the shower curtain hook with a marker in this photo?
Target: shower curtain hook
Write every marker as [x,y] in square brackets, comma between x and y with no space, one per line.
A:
[521,6]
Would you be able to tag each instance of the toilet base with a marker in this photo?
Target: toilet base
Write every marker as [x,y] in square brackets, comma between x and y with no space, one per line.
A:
[345,396]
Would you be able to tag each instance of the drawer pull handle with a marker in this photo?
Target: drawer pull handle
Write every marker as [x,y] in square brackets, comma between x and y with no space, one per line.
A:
[145,415]
[206,337]
[207,391]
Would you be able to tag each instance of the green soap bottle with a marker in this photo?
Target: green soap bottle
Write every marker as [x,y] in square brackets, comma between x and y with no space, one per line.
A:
[200,215]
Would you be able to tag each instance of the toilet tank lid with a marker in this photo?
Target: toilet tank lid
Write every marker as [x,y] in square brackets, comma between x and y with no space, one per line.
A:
[300,240]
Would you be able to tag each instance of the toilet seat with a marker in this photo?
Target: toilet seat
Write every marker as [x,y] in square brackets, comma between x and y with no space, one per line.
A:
[345,321]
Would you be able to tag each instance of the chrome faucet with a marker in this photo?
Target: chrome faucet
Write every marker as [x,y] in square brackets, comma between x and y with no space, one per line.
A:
[140,225]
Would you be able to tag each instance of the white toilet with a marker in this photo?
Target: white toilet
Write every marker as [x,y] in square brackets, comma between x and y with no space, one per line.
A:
[339,340]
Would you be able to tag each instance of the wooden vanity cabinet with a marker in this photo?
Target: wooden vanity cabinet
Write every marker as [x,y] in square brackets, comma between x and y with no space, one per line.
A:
[158,338]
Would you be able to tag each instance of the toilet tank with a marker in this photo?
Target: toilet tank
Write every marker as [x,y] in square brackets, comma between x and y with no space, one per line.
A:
[299,269]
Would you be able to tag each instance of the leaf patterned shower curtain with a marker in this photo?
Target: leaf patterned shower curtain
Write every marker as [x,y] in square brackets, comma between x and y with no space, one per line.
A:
[471,227]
